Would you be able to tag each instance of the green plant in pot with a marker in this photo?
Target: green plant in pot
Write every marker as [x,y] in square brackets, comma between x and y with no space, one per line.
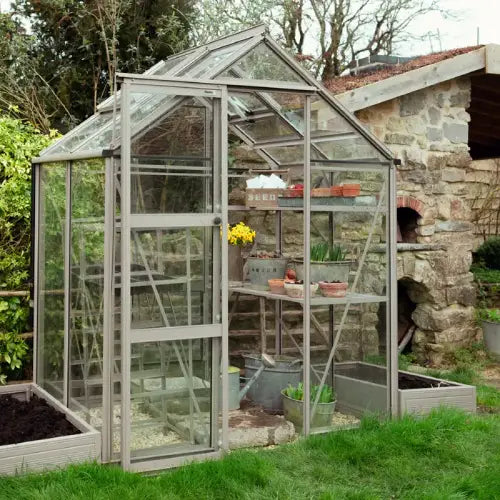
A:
[293,405]
[490,321]
[328,263]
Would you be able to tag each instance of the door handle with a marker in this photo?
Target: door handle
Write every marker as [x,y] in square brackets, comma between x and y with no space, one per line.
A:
[217,221]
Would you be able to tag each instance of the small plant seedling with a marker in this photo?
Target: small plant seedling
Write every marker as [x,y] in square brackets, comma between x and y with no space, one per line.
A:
[323,252]
[327,394]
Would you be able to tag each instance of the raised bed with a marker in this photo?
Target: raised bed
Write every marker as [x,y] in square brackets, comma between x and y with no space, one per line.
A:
[82,444]
[361,387]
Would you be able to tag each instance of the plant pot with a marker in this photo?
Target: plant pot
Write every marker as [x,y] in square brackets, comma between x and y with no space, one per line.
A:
[277,286]
[320,192]
[336,290]
[491,333]
[296,291]
[325,271]
[349,190]
[260,271]
[336,191]
[235,263]
[294,412]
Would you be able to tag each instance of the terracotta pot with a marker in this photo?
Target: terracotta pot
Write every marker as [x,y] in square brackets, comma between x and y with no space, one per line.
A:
[277,286]
[320,192]
[333,289]
[296,291]
[350,190]
[336,191]
[294,193]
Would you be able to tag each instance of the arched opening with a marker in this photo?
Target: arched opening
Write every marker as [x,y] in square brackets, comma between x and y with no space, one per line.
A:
[407,225]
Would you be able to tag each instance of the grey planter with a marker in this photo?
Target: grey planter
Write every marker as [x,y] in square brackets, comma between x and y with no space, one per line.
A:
[262,270]
[360,387]
[47,454]
[294,412]
[325,271]
[491,333]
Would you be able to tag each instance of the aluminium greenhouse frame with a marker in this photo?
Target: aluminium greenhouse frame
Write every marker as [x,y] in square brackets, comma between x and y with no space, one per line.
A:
[116,158]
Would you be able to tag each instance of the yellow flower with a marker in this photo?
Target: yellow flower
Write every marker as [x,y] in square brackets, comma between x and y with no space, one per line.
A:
[240,234]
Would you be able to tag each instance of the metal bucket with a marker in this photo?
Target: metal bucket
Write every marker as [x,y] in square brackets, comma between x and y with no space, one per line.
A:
[262,270]
[491,333]
[266,391]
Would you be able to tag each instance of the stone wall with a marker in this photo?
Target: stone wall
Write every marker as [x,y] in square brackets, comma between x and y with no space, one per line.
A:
[428,131]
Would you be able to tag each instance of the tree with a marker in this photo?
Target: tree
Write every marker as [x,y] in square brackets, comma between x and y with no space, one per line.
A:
[328,34]
[77,47]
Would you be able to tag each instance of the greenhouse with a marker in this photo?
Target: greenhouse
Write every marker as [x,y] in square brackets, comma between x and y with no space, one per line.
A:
[173,329]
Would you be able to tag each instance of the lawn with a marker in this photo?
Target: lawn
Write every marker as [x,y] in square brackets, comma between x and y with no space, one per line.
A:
[448,455]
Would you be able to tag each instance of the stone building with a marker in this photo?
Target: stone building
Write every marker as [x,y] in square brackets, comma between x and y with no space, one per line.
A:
[440,115]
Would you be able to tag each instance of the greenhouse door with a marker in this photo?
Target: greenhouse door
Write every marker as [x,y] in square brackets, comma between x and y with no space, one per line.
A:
[173,197]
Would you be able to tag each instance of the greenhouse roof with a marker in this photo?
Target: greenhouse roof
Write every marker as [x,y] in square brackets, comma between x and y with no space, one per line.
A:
[250,59]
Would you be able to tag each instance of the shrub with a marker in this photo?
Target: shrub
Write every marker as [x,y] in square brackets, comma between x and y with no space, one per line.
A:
[12,351]
[492,315]
[489,252]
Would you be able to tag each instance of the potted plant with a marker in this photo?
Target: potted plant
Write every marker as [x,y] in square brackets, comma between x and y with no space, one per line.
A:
[295,288]
[328,263]
[490,319]
[263,266]
[293,405]
[238,236]
[336,289]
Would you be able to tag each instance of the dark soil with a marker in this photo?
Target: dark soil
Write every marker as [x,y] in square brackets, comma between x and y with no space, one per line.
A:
[415,382]
[22,421]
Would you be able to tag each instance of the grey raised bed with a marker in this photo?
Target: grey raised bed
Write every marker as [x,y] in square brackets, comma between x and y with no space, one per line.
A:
[46,454]
[360,387]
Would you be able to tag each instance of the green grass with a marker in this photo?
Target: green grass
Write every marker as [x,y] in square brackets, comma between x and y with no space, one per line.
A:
[448,455]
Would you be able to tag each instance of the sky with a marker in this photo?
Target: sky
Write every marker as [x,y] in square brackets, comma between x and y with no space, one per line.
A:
[458,32]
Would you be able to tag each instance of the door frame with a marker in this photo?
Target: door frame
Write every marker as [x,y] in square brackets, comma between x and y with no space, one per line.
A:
[129,221]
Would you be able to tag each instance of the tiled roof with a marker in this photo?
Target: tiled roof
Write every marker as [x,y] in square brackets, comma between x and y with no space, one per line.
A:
[342,84]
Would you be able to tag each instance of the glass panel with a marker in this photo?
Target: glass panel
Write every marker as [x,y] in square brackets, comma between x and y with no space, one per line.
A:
[352,277]
[87,289]
[290,154]
[168,65]
[261,63]
[171,397]
[172,162]
[71,142]
[244,104]
[50,331]
[351,147]
[202,68]
[104,138]
[267,128]
[177,264]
